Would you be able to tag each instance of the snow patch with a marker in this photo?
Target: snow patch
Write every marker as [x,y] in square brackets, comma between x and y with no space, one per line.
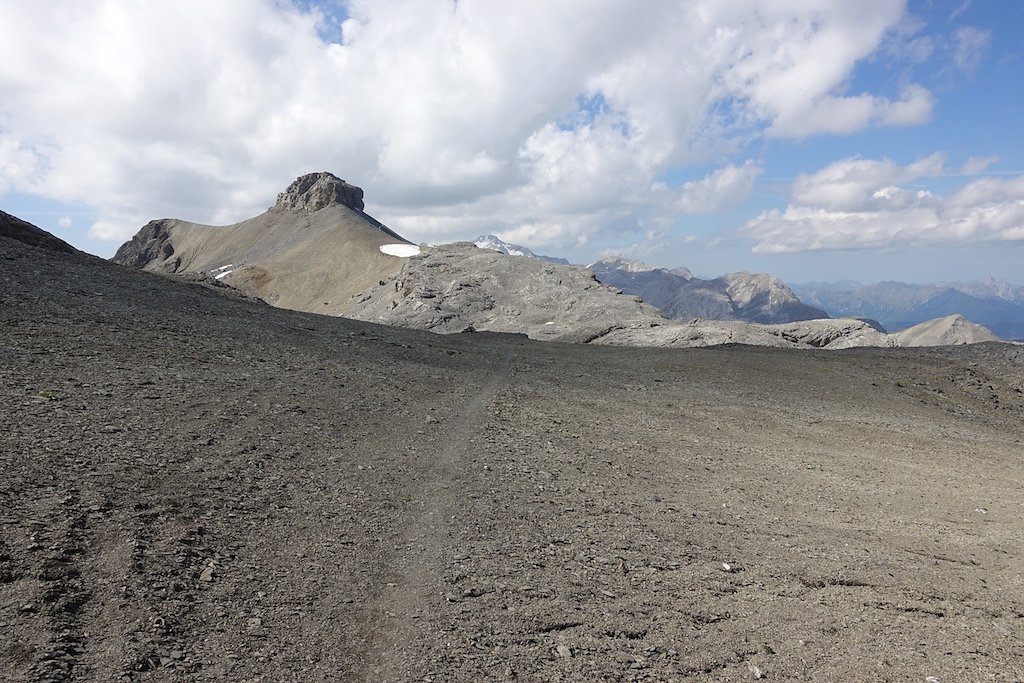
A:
[400,250]
[494,243]
[223,271]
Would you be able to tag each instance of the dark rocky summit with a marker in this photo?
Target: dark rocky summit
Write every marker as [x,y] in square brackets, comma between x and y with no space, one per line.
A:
[315,191]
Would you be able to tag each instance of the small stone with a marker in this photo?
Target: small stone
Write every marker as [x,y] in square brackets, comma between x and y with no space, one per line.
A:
[177,654]
[564,651]
[28,607]
[254,623]
[207,574]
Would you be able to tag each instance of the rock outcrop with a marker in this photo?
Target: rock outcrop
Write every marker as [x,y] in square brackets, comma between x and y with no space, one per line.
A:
[315,191]
[458,287]
[152,244]
[832,334]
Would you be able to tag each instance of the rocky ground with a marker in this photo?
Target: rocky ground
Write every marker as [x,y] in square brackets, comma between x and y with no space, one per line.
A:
[201,488]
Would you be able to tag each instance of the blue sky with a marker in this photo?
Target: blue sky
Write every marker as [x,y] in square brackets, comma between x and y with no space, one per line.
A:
[878,140]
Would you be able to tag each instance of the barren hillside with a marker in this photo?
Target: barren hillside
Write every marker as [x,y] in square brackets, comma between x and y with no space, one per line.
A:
[312,251]
[202,488]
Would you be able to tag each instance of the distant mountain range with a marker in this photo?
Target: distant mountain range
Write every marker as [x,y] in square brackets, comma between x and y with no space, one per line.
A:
[753,297]
[317,250]
[991,302]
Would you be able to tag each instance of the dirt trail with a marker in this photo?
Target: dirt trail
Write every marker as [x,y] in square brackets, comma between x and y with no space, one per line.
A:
[428,543]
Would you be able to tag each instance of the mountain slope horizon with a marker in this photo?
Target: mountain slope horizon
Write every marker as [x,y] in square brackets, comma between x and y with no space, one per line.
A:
[753,297]
[317,251]
[993,303]
[312,251]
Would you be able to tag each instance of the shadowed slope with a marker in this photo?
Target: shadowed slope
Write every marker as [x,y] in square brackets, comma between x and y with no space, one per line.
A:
[17,229]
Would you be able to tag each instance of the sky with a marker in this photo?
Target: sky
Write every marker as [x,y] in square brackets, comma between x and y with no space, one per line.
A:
[817,140]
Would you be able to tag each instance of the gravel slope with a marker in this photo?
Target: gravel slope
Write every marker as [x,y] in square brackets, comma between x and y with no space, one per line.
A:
[201,488]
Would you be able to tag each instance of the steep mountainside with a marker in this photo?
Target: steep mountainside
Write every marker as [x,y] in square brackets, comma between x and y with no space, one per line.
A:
[754,297]
[764,298]
[311,251]
[896,305]
[678,295]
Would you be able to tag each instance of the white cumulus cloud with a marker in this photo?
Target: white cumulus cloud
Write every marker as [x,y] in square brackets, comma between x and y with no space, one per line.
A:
[865,203]
[553,120]
[725,187]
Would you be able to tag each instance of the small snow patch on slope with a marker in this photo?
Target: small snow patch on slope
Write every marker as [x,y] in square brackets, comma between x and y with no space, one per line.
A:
[400,250]
[494,243]
[223,271]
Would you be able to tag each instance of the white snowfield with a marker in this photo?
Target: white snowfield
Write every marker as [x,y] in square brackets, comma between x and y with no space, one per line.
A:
[400,250]
[223,271]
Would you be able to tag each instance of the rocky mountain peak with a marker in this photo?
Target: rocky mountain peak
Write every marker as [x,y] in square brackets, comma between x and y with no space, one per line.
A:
[315,191]
[624,264]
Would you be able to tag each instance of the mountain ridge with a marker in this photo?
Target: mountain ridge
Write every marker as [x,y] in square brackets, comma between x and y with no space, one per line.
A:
[316,250]
[993,303]
[751,297]
[312,251]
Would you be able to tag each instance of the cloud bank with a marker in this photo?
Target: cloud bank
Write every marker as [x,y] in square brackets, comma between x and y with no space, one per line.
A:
[552,124]
[863,203]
